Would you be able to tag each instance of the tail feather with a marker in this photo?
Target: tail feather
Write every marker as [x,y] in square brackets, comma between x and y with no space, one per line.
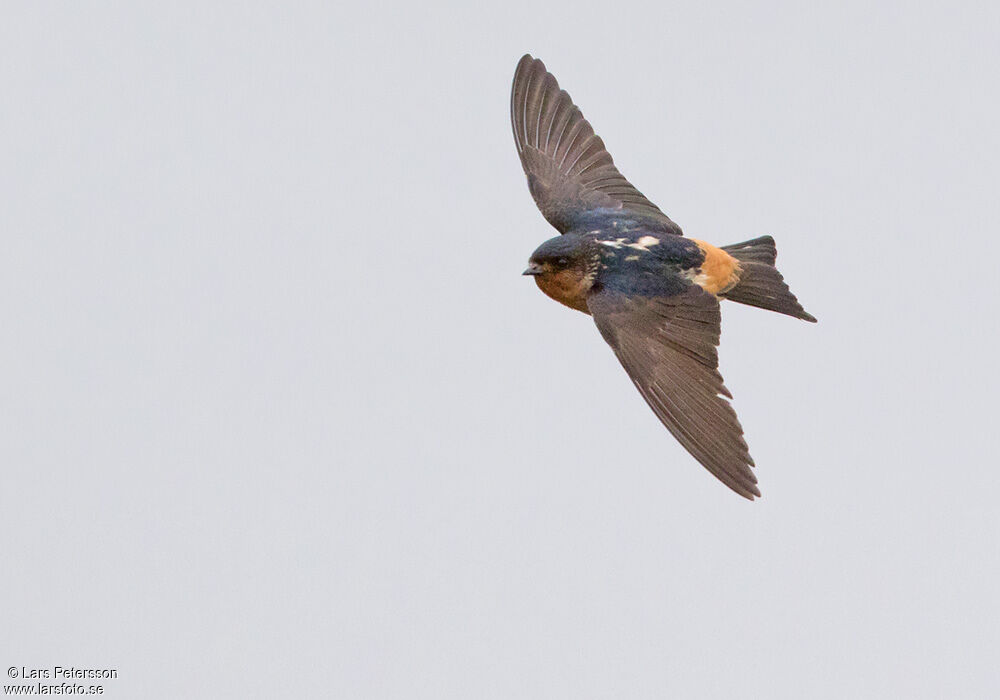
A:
[761,284]
[761,250]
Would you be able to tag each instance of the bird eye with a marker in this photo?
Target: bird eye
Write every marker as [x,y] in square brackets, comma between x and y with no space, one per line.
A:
[563,262]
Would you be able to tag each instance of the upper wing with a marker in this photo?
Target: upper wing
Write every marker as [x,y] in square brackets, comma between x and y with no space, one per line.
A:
[668,347]
[569,170]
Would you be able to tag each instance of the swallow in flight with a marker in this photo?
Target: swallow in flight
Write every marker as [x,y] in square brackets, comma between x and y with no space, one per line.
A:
[653,293]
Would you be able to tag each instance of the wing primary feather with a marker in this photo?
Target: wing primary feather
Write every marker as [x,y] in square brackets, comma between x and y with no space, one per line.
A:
[683,430]
[560,103]
[577,129]
[524,114]
[562,131]
[721,475]
[518,106]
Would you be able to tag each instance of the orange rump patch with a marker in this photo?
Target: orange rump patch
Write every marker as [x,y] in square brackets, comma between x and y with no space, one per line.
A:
[719,272]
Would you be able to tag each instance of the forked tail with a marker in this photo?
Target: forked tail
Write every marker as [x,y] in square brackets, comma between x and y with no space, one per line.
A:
[760,282]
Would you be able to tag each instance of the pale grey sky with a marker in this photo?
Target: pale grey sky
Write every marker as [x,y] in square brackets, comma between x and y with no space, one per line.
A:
[281,418]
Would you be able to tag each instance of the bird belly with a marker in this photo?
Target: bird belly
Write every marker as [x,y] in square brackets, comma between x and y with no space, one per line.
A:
[719,271]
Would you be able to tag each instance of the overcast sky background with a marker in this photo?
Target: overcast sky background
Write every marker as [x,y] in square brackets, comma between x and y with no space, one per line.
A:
[281,418]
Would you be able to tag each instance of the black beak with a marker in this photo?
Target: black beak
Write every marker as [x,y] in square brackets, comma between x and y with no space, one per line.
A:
[533,269]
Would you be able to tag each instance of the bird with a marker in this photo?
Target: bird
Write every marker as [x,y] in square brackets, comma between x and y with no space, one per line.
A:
[653,293]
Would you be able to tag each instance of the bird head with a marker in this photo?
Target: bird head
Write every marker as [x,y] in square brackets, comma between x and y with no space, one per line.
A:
[564,268]
[559,254]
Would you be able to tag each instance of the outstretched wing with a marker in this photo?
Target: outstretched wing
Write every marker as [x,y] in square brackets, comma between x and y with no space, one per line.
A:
[569,170]
[668,347]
